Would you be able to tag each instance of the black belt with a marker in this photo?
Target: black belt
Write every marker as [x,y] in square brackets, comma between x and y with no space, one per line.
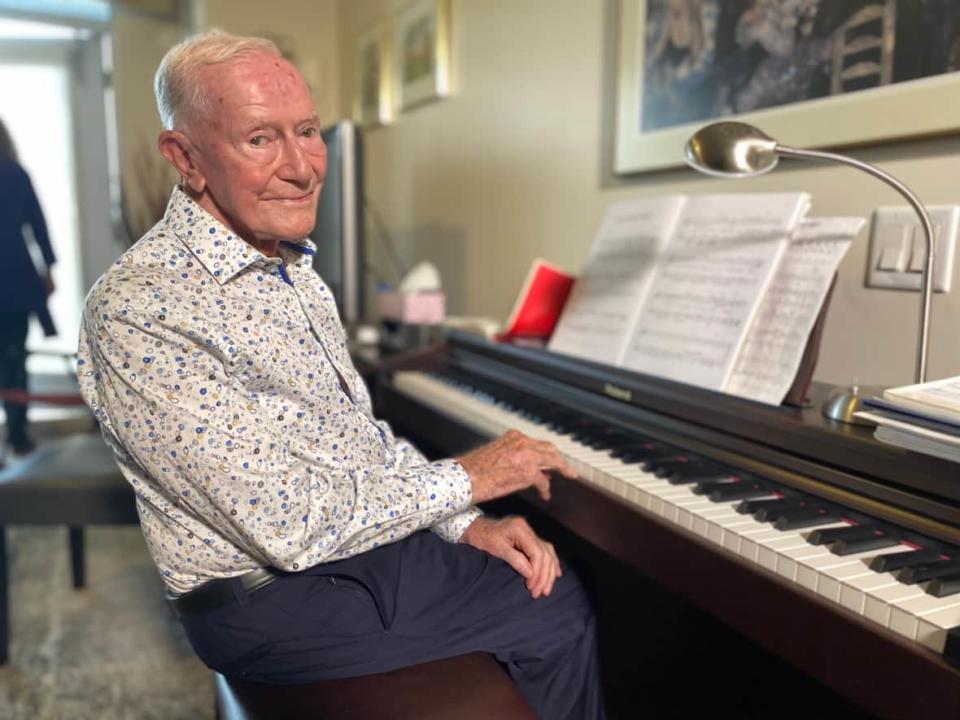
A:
[214,594]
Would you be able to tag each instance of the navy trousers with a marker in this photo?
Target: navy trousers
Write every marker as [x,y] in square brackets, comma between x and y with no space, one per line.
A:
[13,371]
[413,601]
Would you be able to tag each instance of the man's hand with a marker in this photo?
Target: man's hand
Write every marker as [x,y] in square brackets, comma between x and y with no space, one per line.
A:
[512,540]
[512,462]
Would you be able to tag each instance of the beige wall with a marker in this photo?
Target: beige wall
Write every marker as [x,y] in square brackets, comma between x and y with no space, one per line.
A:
[139,42]
[516,165]
[305,29]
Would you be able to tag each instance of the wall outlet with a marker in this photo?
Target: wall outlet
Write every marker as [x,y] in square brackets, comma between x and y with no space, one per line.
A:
[897,248]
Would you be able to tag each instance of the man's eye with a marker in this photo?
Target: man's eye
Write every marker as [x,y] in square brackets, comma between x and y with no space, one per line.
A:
[309,132]
[259,140]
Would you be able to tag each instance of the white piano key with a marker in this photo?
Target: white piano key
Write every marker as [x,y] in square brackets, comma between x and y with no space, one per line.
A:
[788,563]
[701,520]
[809,569]
[878,603]
[831,578]
[853,592]
[932,628]
[905,615]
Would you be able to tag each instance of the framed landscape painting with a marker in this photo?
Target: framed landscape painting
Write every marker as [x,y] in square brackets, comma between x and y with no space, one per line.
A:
[421,46]
[811,73]
[374,104]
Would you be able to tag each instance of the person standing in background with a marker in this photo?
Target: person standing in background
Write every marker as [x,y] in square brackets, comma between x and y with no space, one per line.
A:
[23,288]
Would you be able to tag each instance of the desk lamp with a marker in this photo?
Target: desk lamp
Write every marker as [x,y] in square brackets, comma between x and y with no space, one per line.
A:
[737,150]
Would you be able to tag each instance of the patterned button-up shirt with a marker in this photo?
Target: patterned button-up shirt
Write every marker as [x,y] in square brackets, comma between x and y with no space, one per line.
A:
[222,381]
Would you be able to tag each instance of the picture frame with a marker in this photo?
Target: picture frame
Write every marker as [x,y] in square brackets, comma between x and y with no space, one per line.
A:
[373,95]
[921,107]
[421,53]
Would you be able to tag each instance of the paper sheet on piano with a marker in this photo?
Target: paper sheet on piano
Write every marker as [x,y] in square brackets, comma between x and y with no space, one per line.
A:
[709,285]
[774,346]
[609,294]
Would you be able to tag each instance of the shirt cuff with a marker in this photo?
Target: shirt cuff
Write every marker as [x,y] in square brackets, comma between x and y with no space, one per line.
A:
[452,528]
[452,481]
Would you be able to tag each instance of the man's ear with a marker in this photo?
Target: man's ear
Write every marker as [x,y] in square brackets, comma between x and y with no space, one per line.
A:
[178,150]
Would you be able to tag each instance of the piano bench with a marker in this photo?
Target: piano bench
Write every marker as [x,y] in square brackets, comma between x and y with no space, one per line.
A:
[70,481]
[467,687]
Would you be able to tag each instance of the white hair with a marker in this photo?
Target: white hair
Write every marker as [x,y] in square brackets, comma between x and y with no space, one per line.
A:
[181,97]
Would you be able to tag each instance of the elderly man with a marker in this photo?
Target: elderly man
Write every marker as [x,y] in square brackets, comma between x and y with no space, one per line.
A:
[298,538]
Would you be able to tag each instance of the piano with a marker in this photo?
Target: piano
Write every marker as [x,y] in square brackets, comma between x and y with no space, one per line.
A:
[833,551]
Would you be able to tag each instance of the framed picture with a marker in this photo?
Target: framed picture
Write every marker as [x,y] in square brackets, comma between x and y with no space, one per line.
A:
[421,46]
[810,73]
[373,102]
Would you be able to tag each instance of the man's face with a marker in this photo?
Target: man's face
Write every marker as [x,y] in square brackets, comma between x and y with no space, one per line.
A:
[258,154]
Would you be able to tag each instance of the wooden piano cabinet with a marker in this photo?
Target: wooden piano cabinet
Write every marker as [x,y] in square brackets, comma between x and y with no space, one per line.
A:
[873,667]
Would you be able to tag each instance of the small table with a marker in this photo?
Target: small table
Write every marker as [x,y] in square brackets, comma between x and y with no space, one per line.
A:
[71,481]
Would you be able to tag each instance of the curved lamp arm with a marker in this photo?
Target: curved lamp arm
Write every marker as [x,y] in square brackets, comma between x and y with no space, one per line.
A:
[926,278]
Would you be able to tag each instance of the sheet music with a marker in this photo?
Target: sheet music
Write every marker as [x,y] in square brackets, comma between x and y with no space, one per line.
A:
[774,346]
[708,286]
[609,293]
[937,397]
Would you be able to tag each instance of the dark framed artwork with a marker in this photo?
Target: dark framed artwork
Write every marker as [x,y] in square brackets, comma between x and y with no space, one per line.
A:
[811,73]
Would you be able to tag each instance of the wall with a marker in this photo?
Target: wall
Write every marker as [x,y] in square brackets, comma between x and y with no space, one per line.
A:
[516,165]
[305,30]
[139,42]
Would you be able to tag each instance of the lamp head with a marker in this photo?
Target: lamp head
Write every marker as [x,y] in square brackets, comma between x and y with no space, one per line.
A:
[731,150]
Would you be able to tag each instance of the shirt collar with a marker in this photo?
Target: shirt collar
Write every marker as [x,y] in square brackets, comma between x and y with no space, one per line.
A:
[221,252]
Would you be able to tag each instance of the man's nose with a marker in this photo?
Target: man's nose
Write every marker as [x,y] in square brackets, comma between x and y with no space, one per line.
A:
[296,166]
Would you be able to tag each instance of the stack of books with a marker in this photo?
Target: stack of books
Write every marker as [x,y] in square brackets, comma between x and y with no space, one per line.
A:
[924,418]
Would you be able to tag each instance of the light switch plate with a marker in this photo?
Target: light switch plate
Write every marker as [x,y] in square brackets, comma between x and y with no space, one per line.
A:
[888,221]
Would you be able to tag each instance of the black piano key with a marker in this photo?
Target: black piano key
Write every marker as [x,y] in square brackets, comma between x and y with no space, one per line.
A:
[642,455]
[706,485]
[944,586]
[875,542]
[896,561]
[828,536]
[698,468]
[951,649]
[749,507]
[770,513]
[669,470]
[931,571]
[804,517]
[609,439]
[738,491]
[667,459]
[692,478]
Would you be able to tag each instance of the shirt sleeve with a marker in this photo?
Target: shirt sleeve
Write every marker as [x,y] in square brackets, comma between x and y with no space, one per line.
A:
[449,529]
[186,424]
[407,454]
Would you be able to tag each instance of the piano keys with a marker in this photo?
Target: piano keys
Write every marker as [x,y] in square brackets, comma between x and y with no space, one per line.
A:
[826,511]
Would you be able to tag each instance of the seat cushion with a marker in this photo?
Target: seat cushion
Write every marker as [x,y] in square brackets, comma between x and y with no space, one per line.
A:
[70,480]
[467,687]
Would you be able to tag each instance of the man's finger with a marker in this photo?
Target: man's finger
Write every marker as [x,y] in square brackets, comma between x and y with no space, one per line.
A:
[543,485]
[518,561]
[554,458]
[555,571]
[540,565]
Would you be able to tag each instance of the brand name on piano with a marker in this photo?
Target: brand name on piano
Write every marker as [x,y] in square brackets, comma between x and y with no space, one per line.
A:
[618,392]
